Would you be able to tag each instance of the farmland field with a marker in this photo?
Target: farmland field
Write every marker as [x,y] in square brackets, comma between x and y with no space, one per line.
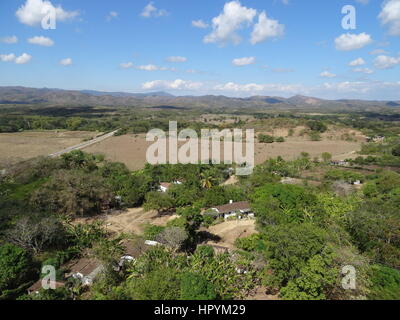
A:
[131,149]
[15,147]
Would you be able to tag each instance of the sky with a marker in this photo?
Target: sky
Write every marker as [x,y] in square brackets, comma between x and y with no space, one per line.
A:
[328,49]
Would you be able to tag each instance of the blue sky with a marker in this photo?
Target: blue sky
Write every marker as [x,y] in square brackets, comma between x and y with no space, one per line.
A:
[192,47]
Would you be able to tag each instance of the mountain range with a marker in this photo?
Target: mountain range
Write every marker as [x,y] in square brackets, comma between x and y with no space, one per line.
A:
[59,97]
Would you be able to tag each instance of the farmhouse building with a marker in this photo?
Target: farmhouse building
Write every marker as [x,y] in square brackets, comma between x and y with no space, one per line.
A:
[234,209]
[164,186]
[35,288]
[86,270]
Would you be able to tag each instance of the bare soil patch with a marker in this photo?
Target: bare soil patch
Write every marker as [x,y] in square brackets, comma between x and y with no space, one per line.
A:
[130,221]
[229,231]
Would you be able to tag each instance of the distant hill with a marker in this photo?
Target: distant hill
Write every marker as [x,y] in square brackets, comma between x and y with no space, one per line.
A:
[71,98]
[126,94]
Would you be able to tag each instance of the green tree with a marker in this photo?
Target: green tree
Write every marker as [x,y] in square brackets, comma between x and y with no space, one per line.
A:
[15,266]
[289,247]
[196,287]
[159,201]
[160,284]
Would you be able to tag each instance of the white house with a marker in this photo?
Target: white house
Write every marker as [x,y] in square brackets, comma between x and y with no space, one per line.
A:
[86,270]
[234,209]
[164,186]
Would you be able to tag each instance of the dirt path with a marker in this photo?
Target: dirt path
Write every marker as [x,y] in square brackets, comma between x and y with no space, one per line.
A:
[232,180]
[84,144]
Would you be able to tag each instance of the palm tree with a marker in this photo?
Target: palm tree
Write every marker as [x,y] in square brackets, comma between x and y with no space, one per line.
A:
[207,180]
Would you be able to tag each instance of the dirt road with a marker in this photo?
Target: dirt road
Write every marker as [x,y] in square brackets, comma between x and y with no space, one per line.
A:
[83,144]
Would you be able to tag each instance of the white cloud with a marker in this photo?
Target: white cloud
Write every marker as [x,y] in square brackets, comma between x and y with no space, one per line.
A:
[33,11]
[257,89]
[148,67]
[66,62]
[349,41]
[177,84]
[112,15]
[327,74]
[363,70]
[150,11]
[126,65]
[233,17]
[377,51]
[41,41]
[176,59]
[357,62]
[9,40]
[22,59]
[390,15]
[7,57]
[243,61]
[199,24]
[386,62]
[266,28]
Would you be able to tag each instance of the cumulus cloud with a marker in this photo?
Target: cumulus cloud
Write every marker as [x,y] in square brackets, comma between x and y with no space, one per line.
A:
[176,59]
[257,89]
[41,41]
[390,16]
[226,25]
[33,11]
[9,40]
[266,28]
[243,61]
[177,84]
[22,59]
[7,57]
[357,62]
[66,62]
[327,74]
[386,62]
[150,11]
[349,41]
[199,24]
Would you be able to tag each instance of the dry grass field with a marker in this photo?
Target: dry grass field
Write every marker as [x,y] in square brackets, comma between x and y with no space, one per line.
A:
[15,147]
[131,149]
[131,220]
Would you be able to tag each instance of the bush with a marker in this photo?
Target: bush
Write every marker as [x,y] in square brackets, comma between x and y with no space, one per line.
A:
[15,266]
[205,251]
[160,284]
[264,138]
[385,283]
[196,287]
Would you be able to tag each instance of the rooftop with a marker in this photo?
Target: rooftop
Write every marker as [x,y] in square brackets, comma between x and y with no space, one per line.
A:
[226,208]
